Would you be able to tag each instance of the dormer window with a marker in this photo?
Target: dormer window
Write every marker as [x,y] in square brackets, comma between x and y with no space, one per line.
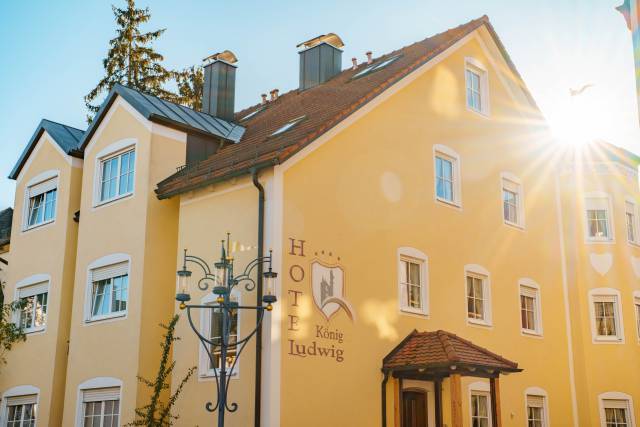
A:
[117,176]
[40,202]
[287,126]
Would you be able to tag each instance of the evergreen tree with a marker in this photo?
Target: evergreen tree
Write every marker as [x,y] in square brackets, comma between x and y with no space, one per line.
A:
[157,413]
[131,60]
[190,83]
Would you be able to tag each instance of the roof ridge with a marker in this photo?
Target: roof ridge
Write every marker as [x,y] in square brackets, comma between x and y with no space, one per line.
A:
[61,124]
[484,350]
[450,351]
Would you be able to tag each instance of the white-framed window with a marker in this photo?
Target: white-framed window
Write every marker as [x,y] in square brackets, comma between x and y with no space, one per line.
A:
[530,307]
[598,218]
[41,196]
[636,309]
[413,281]
[631,217]
[536,406]
[606,319]
[477,86]
[512,200]
[101,407]
[22,411]
[480,404]
[211,327]
[447,175]
[108,287]
[32,315]
[117,174]
[478,295]
[616,410]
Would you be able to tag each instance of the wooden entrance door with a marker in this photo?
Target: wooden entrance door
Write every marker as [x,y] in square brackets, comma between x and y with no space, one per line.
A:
[414,409]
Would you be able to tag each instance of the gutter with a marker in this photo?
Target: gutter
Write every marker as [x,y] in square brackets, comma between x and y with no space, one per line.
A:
[258,381]
[384,398]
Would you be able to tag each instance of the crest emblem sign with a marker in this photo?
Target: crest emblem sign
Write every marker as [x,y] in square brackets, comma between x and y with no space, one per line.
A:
[327,287]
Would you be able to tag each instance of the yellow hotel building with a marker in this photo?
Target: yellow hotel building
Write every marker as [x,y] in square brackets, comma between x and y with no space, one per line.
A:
[441,261]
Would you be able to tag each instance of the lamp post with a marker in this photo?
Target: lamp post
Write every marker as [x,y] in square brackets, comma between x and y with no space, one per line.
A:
[222,280]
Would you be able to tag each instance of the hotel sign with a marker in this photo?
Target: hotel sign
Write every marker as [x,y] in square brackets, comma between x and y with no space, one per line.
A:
[324,279]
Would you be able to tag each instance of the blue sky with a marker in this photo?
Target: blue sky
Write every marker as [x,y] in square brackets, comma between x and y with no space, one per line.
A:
[51,53]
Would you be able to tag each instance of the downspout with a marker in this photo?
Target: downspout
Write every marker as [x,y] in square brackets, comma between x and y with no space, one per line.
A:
[384,398]
[258,381]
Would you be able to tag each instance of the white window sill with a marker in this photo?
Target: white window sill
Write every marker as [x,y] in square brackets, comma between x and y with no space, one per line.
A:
[210,375]
[479,322]
[112,200]
[514,225]
[114,316]
[414,311]
[531,334]
[35,331]
[607,340]
[450,203]
[634,244]
[482,113]
[40,225]
[590,240]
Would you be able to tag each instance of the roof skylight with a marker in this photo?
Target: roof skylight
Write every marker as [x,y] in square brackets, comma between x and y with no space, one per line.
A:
[375,67]
[251,114]
[287,126]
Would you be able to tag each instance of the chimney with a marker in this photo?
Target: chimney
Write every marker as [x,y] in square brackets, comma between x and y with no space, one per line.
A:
[369,57]
[274,94]
[264,98]
[320,60]
[354,61]
[219,85]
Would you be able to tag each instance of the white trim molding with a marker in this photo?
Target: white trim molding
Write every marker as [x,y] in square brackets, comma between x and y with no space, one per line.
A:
[620,399]
[592,198]
[537,392]
[33,280]
[606,295]
[510,182]
[204,372]
[72,161]
[406,253]
[105,261]
[113,150]
[636,309]
[480,388]
[35,187]
[449,154]
[478,68]
[21,390]
[478,271]
[526,282]
[93,383]
[630,202]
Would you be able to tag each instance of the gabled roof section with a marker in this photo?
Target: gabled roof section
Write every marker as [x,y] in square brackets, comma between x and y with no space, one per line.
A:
[166,113]
[442,349]
[67,137]
[325,106]
[6,218]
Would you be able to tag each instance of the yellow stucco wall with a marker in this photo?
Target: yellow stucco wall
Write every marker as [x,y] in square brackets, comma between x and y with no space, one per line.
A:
[205,218]
[601,367]
[144,228]
[41,360]
[369,191]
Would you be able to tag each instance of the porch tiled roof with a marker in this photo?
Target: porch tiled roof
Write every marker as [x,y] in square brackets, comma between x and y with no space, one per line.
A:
[442,349]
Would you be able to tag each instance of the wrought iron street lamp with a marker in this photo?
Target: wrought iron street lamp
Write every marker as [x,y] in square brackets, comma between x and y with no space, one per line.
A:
[222,280]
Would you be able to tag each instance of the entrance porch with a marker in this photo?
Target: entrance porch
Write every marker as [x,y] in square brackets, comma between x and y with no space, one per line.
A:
[425,365]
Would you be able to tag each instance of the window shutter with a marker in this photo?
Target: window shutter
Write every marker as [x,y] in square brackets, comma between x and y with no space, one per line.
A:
[618,403]
[535,401]
[100,394]
[36,289]
[510,186]
[22,400]
[43,187]
[109,271]
[528,291]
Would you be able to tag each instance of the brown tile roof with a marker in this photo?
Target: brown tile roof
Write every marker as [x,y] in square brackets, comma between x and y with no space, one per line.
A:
[439,349]
[323,106]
